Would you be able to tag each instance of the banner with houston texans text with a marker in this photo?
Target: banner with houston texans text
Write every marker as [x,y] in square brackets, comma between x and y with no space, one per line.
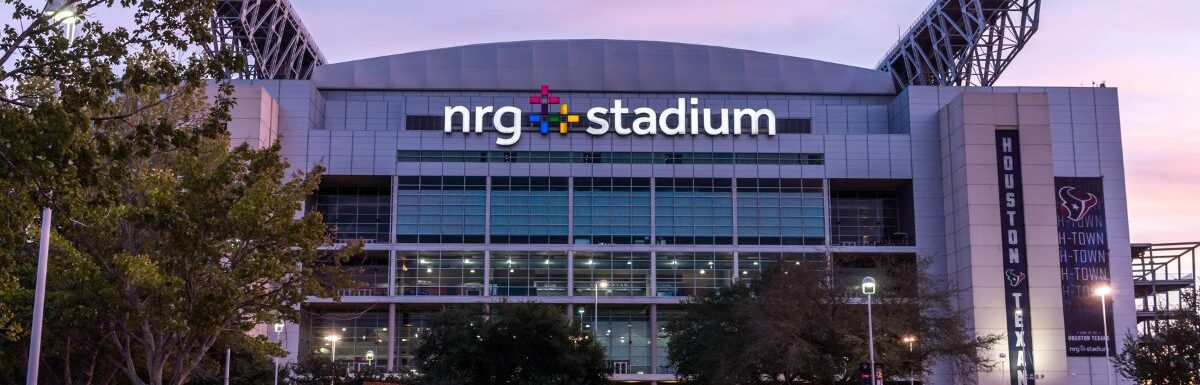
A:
[1083,258]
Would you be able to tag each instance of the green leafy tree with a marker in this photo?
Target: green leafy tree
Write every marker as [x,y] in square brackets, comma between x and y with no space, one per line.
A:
[58,108]
[249,362]
[165,239]
[518,343]
[1170,354]
[798,324]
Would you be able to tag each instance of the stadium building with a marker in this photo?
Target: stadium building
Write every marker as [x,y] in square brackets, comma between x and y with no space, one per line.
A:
[538,170]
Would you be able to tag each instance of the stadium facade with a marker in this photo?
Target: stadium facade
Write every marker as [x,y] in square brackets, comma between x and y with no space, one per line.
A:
[537,170]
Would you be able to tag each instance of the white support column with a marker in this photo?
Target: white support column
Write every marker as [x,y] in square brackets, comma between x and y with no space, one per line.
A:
[570,273]
[653,274]
[653,338]
[487,273]
[391,336]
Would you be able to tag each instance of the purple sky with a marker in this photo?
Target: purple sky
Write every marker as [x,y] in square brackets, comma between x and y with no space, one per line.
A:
[1150,50]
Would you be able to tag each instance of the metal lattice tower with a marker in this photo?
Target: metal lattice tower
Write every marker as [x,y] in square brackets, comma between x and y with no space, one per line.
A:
[962,42]
[269,33]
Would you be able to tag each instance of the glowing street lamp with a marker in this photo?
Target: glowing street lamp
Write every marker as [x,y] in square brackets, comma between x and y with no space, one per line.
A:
[1103,292]
[333,339]
[868,288]
[910,340]
[279,337]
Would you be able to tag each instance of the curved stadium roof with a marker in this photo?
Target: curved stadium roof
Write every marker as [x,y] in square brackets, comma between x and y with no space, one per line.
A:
[602,66]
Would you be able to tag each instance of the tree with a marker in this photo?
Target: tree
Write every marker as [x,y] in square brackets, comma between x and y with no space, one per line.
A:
[1170,353]
[249,360]
[519,343]
[800,324]
[65,131]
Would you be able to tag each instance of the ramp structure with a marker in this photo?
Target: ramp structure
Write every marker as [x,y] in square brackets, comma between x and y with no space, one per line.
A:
[962,42]
[1162,273]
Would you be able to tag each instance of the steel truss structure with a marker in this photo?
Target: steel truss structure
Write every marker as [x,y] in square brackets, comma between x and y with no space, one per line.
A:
[1161,273]
[270,35]
[962,42]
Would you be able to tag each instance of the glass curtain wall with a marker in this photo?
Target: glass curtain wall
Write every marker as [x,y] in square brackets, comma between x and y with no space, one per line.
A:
[612,211]
[528,273]
[410,323]
[753,265]
[680,274]
[439,273]
[627,274]
[354,211]
[529,210]
[625,335]
[780,212]
[357,332]
[692,211]
[435,209]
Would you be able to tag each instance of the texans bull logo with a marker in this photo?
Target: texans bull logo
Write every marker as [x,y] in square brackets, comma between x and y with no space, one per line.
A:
[1014,278]
[1076,208]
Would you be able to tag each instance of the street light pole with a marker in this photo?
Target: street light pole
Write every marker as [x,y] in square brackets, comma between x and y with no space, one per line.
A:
[911,375]
[64,12]
[603,284]
[868,288]
[333,339]
[278,337]
[1103,292]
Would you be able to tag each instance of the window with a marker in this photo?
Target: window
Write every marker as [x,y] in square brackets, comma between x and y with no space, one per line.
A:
[354,210]
[427,123]
[525,273]
[866,218]
[780,212]
[753,265]
[691,274]
[793,126]
[357,333]
[410,325]
[371,274]
[438,156]
[529,210]
[433,209]
[439,273]
[627,274]
[612,211]
[694,211]
[625,334]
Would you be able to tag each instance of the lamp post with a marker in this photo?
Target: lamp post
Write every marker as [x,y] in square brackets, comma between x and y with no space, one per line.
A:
[910,340]
[603,284]
[868,288]
[61,11]
[279,337]
[581,311]
[333,339]
[1104,291]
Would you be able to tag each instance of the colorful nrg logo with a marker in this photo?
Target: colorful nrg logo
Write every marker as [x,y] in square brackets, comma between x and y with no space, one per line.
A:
[545,118]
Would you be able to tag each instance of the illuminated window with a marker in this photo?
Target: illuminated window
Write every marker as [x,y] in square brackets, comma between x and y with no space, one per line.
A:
[439,273]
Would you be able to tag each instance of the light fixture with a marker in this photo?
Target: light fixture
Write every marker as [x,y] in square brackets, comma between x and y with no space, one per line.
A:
[868,285]
[701,271]
[1103,291]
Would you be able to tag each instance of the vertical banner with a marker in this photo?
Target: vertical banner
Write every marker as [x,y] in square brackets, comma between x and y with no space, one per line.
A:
[1083,258]
[1012,233]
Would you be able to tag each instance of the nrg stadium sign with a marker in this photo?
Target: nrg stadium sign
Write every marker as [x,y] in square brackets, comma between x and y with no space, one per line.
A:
[683,119]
